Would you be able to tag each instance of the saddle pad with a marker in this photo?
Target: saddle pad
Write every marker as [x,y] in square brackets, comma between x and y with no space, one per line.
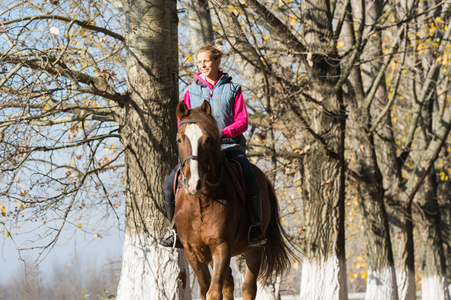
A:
[235,172]
[177,184]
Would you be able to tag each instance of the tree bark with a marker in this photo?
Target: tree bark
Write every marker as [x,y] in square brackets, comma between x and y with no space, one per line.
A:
[324,266]
[381,282]
[148,128]
[434,281]
[199,22]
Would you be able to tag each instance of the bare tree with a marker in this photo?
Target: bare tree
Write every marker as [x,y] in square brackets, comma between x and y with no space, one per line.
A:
[77,83]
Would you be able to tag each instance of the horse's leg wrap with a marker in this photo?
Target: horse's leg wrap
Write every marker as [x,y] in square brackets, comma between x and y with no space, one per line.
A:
[256,236]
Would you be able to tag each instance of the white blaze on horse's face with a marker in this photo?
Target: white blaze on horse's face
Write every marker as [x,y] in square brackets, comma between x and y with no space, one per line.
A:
[193,133]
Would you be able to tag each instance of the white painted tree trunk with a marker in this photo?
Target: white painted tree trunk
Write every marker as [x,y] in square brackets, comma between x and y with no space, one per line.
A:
[148,271]
[380,285]
[148,130]
[403,279]
[320,280]
[435,287]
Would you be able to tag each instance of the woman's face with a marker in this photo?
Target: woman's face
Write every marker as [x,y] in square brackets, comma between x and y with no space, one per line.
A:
[208,66]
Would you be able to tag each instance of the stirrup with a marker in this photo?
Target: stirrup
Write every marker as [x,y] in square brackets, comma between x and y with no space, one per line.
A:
[260,238]
[176,242]
[164,239]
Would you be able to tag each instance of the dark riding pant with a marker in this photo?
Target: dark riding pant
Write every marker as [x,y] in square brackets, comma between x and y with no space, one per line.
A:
[169,186]
[250,179]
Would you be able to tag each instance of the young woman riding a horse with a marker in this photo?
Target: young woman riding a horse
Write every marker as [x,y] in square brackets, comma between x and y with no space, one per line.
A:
[229,110]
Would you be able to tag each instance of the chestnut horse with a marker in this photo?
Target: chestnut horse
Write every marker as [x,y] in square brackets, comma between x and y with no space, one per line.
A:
[211,218]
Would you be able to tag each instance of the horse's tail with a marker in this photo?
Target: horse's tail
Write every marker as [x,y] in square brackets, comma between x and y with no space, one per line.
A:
[278,250]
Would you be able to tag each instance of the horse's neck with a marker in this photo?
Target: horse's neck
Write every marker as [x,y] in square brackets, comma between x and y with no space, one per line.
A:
[216,169]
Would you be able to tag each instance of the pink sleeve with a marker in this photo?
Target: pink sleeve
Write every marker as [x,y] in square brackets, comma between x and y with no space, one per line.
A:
[240,125]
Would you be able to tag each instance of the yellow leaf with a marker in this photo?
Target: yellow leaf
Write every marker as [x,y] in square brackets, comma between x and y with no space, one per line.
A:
[231,8]
[280,3]
[293,20]
[340,44]
[352,275]
[8,234]
[79,225]
[189,58]
[46,107]
[364,275]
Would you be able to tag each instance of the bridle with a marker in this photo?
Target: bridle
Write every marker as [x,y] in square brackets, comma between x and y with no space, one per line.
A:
[206,164]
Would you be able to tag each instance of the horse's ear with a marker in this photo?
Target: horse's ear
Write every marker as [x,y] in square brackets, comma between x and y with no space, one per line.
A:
[206,107]
[182,110]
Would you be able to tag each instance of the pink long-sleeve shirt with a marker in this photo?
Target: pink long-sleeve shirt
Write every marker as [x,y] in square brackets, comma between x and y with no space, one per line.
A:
[240,123]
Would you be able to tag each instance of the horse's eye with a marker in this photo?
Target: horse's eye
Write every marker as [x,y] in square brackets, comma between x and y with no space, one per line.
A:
[179,140]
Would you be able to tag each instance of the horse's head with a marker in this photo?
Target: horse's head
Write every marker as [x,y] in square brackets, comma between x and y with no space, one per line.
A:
[198,142]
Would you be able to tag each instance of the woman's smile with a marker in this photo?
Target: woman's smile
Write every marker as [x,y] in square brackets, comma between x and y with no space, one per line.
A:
[208,66]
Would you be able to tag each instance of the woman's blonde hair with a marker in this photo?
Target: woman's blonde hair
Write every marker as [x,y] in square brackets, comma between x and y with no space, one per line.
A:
[215,52]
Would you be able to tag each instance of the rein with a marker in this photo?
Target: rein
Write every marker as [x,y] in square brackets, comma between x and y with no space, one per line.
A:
[206,164]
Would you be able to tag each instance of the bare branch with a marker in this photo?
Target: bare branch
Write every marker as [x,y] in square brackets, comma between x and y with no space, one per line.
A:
[84,24]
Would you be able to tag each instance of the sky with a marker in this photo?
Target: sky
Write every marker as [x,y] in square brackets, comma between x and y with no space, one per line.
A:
[80,247]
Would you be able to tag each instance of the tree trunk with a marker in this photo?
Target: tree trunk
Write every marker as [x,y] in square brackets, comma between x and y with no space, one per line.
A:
[148,128]
[434,283]
[324,265]
[199,22]
[381,272]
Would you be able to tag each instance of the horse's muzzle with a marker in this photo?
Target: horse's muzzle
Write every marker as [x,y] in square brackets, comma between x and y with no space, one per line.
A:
[193,188]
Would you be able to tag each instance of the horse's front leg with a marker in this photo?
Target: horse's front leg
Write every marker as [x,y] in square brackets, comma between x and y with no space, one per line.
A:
[221,271]
[229,286]
[202,273]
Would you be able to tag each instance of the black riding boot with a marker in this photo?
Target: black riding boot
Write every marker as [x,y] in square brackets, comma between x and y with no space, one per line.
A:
[168,237]
[256,237]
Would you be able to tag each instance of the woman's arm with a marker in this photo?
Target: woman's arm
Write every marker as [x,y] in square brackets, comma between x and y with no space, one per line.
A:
[240,123]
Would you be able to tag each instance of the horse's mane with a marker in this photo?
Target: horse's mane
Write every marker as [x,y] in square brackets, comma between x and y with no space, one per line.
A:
[208,124]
